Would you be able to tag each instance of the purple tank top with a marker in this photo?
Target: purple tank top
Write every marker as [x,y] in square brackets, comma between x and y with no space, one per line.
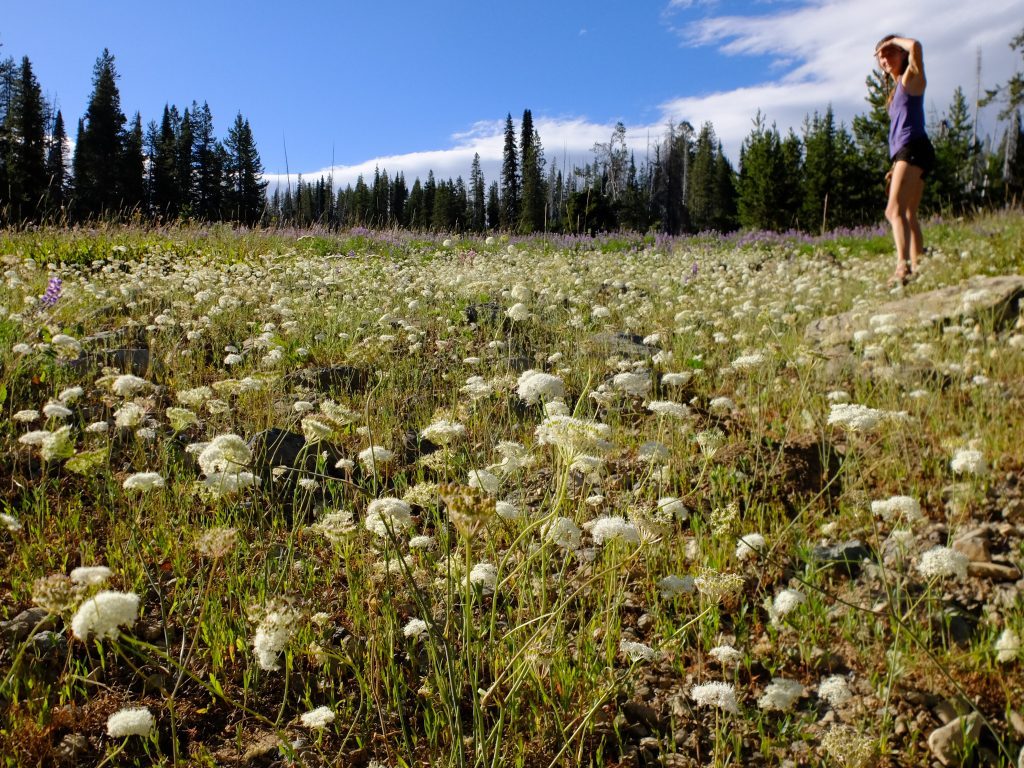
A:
[906,115]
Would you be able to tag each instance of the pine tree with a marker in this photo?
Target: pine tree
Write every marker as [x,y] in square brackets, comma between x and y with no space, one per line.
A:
[427,210]
[955,180]
[414,207]
[164,193]
[531,216]
[509,179]
[184,168]
[725,194]
[245,195]
[399,197]
[207,162]
[131,172]
[97,162]
[57,166]
[703,178]
[768,182]
[820,170]
[7,85]
[478,195]
[26,148]
[493,206]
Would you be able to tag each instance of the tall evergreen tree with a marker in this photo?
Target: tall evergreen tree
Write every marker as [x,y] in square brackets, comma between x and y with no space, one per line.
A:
[396,203]
[493,206]
[57,166]
[7,85]
[1012,92]
[164,192]
[245,190]
[768,180]
[703,181]
[26,147]
[184,167]
[531,215]
[478,195]
[207,162]
[509,179]
[97,161]
[414,206]
[955,182]
[131,171]
[725,194]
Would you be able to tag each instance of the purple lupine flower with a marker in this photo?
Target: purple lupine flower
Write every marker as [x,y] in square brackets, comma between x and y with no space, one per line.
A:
[53,291]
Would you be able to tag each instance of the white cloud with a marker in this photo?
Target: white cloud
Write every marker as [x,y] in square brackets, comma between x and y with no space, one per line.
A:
[820,53]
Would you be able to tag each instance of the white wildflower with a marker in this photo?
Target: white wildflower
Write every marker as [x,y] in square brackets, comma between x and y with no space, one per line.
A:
[387,516]
[636,384]
[127,385]
[9,522]
[484,576]
[90,575]
[318,718]
[133,721]
[750,546]
[518,312]
[26,416]
[940,562]
[336,526]
[670,509]
[721,406]
[56,411]
[720,695]
[1007,646]
[225,453]
[781,695]
[484,480]
[375,458]
[637,651]
[181,418]
[748,362]
[726,655]
[668,408]
[574,435]
[414,629]
[443,432]
[272,635]
[562,532]
[536,386]
[676,379]
[968,462]
[606,529]
[129,416]
[896,507]
[835,690]
[103,614]
[143,481]
[787,601]
[71,394]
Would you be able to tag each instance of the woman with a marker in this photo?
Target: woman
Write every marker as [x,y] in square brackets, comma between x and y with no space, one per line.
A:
[910,150]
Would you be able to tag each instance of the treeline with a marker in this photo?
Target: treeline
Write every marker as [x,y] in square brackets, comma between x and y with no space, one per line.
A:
[825,176]
[174,169]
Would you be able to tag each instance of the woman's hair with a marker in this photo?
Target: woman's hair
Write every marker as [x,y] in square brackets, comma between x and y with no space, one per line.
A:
[890,90]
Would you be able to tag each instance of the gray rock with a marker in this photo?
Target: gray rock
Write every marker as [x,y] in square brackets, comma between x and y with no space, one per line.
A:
[846,556]
[951,742]
[994,571]
[627,345]
[974,544]
[134,360]
[18,629]
[333,377]
[997,297]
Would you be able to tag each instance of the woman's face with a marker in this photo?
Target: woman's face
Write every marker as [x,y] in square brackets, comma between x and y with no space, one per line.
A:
[890,59]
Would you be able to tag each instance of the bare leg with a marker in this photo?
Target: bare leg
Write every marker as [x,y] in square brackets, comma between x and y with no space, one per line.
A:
[905,189]
[916,189]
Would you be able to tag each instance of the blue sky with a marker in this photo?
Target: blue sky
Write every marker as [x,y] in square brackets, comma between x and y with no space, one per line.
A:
[411,85]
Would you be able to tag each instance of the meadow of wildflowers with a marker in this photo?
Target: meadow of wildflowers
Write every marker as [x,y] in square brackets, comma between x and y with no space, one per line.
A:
[293,499]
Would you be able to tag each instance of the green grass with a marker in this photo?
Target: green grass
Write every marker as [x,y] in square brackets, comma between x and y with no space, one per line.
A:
[530,672]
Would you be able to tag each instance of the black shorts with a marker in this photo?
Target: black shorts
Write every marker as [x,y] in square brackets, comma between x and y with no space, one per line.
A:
[920,153]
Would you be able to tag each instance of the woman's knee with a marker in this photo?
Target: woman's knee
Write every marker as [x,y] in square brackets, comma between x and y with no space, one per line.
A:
[896,212]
